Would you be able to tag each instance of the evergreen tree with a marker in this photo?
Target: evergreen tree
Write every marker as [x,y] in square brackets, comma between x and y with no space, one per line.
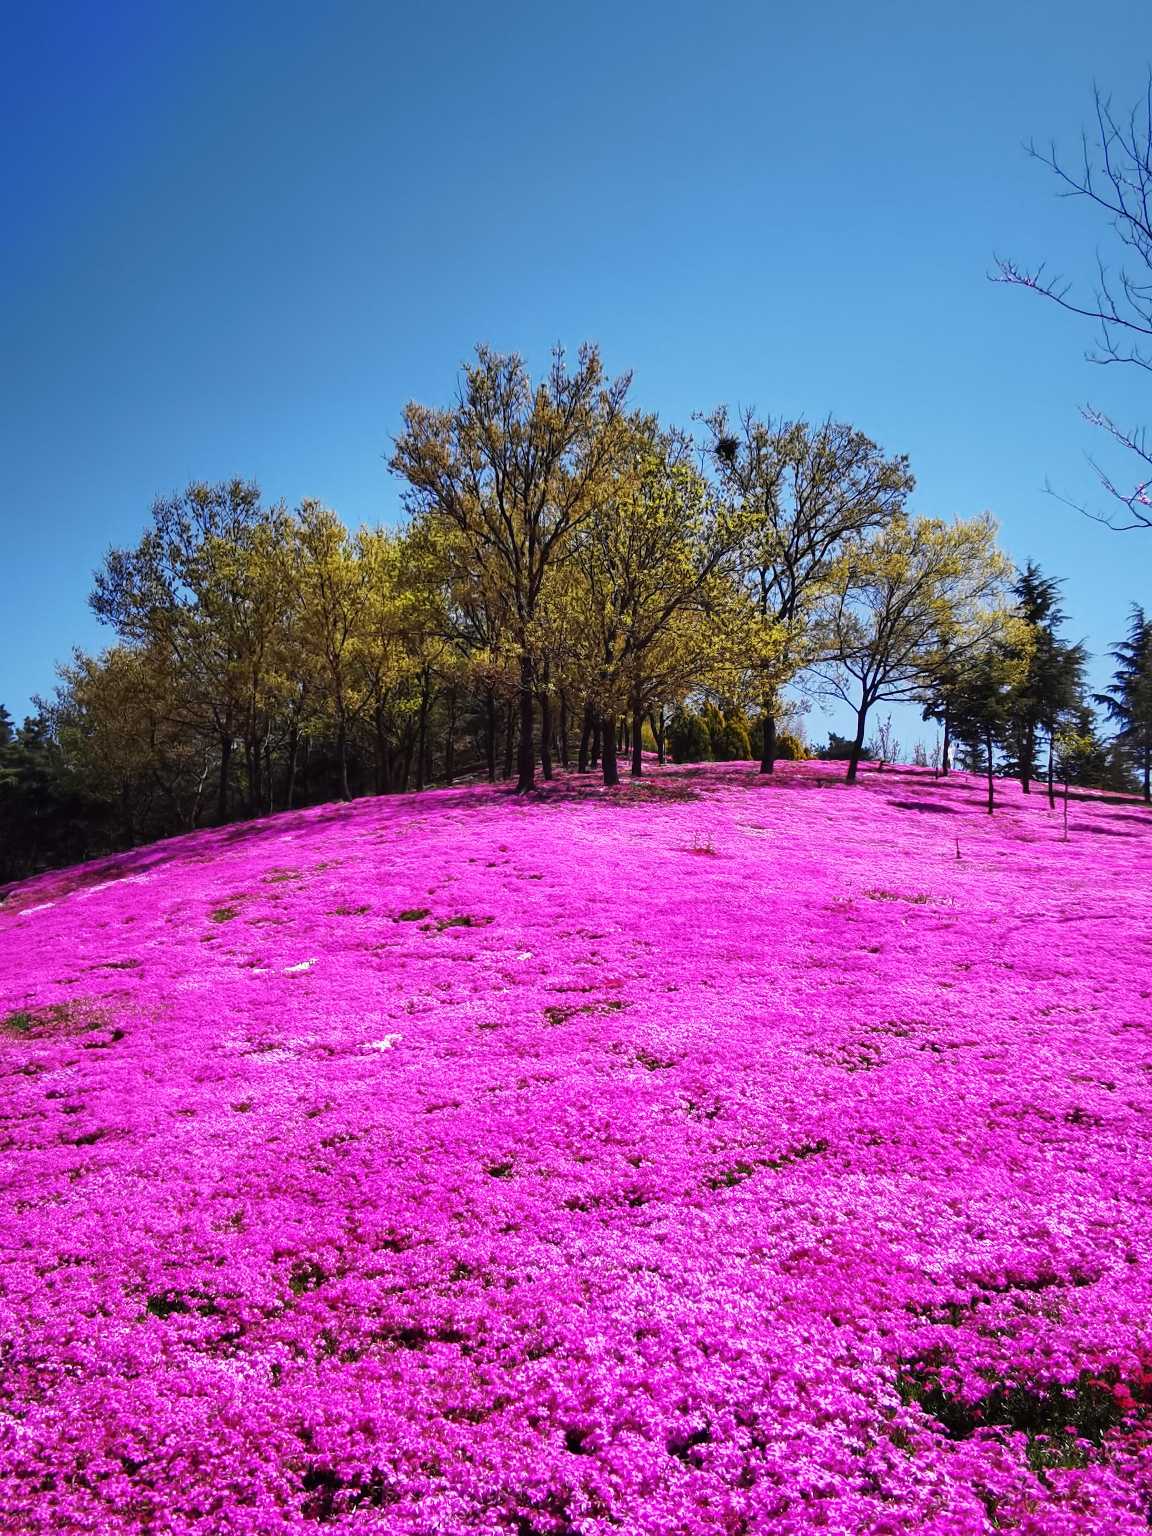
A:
[1129,700]
[689,739]
[1050,679]
[46,816]
[983,706]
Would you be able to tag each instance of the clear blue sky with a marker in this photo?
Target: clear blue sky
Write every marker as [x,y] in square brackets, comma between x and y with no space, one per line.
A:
[237,238]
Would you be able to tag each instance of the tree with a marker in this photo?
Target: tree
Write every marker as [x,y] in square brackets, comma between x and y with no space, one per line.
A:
[204,587]
[1129,700]
[120,722]
[982,702]
[942,675]
[1114,176]
[1051,675]
[840,749]
[330,584]
[804,494]
[402,628]
[515,469]
[728,730]
[897,591]
[885,746]
[689,739]
[656,545]
[47,814]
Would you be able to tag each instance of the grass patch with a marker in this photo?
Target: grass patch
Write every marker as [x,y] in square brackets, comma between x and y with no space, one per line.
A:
[1063,1423]
[741,1171]
[306,1276]
[653,1063]
[166,1304]
[56,1018]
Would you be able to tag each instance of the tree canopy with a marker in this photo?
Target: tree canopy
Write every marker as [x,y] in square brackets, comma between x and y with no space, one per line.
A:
[573,580]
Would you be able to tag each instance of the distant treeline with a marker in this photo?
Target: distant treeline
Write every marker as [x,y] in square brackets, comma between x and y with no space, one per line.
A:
[573,582]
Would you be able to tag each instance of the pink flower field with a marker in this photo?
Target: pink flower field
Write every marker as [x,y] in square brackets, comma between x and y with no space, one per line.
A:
[705,1156]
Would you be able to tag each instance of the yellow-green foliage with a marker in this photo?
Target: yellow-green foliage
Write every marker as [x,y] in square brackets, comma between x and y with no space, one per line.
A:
[791,748]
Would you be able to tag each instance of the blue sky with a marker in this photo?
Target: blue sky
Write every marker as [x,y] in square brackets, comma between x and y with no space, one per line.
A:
[238,238]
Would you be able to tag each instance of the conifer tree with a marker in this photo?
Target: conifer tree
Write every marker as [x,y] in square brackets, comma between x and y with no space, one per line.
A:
[1129,700]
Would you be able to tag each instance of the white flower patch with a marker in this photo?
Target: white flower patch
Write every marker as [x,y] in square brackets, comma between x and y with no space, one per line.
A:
[385,1044]
[28,911]
[294,970]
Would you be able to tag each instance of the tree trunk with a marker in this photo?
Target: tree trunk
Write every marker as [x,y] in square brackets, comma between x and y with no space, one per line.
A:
[490,733]
[342,757]
[222,786]
[1148,774]
[450,739]
[586,729]
[858,744]
[526,756]
[1065,808]
[608,737]
[546,736]
[656,720]
[991,775]
[193,814]
[509,740]
[768,744]
[252,774]
[293,749]
[383,756]
[1027,761]
[564,729]
[637,741]
[945,765]
[1052,772]
[422,734]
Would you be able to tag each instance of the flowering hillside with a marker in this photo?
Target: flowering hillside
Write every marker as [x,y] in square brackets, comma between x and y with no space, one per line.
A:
[706,1156]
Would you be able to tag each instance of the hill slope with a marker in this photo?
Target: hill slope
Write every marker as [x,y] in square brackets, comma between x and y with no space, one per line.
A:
[706,1156]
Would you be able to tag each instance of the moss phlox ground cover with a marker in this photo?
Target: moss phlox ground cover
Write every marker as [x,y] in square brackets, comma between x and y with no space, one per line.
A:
[705,1156]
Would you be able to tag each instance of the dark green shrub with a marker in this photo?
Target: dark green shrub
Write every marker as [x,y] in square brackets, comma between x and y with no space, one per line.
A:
[791,748]
[839,750]
[790,745]
[730,740]
[688,738]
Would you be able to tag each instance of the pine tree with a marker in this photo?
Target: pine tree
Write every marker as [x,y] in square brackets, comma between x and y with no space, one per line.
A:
[1050,681]
[1129,700]
[982,707]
